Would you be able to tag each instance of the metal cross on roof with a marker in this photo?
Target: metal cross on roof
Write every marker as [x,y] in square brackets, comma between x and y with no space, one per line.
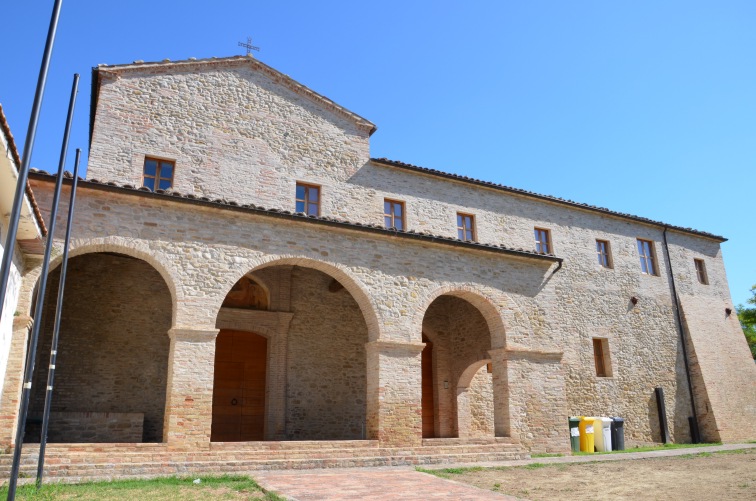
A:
[249,46]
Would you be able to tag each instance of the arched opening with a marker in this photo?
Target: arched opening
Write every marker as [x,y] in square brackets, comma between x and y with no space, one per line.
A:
[239,379]
[463,388]
[306,335]
[112,362]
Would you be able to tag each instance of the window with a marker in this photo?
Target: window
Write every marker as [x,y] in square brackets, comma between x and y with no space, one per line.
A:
[308,199]
[701,271]
[158,174]
[601,357]
[465,227]
[602,251]
[542,241]
[646,253]
[393,214]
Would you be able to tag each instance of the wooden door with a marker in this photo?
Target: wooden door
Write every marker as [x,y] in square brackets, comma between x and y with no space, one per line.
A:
[239,387]
[427,390]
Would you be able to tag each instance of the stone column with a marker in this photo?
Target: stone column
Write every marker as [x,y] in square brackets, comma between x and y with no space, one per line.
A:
[189,391]
[14,375]
[500,373]
[394,393]
[275,401]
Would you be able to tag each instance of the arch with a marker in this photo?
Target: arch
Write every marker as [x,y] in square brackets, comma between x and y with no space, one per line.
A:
[502,315]
[358,290]
[468,374]
[127,247]
[114,303]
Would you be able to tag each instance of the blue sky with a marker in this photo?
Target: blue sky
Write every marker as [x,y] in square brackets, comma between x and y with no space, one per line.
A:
[642,107]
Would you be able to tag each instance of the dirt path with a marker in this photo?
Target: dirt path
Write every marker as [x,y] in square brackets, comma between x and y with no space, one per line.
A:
[705,477]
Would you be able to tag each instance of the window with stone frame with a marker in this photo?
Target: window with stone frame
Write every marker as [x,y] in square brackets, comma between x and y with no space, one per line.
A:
[158,173]
[466,227]
[601,357]
[703,278]
[603,252]
[542,240]
[393,214]
[308,199]
[647,257]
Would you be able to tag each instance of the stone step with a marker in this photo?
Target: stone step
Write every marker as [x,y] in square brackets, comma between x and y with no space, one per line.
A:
[75,455]
[114,470]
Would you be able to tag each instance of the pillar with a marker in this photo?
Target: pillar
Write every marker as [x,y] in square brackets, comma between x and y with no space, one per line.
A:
[189,391]
[530,402]
[14,376]
[394,393]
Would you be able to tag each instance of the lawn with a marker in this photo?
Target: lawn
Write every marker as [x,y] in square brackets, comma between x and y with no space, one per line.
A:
[171,488]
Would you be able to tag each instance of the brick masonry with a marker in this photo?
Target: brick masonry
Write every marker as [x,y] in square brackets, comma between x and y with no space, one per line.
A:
[223,121]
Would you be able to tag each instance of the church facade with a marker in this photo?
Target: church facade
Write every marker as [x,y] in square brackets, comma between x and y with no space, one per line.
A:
[242,270]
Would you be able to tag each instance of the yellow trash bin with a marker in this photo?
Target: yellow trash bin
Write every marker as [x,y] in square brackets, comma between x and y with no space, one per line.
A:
[586,433]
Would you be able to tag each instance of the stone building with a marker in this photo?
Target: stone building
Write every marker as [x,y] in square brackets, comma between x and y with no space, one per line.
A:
[242,271]
[26,253]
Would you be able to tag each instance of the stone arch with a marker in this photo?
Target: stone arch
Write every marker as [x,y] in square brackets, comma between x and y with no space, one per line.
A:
[115,302]
[353,285]
[127,247]
[500,312]
[464,405]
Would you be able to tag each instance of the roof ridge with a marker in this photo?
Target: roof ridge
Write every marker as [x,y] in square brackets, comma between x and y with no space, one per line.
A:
[564,201]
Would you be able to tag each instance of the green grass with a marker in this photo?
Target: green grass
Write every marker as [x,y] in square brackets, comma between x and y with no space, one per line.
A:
[649,448]
[546,455]
[169,488]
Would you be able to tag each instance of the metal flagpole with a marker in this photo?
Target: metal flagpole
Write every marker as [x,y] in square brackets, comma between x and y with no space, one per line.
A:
[56,329]
[23,169]
[40,299]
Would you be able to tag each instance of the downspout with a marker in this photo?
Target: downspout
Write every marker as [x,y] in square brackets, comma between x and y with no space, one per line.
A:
[678,315]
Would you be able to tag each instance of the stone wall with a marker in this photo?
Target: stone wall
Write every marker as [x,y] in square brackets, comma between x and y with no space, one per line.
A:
[326,361]
[90,428]
[480,396]
[393,282]
[113,349]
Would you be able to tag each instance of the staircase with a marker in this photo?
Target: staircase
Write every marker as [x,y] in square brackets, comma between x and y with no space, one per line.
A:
[83,462]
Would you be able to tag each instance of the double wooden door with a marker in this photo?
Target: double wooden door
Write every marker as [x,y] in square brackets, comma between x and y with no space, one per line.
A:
[239,387]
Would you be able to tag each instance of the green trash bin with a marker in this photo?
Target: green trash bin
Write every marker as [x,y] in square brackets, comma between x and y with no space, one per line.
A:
[575,434]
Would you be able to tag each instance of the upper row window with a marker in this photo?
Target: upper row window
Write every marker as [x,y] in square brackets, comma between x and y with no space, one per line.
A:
[157,174]
[542,241]
[466,227]
[646,253]
[393,214]
[308,199]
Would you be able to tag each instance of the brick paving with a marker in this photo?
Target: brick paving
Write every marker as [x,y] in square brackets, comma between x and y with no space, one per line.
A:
[386,484]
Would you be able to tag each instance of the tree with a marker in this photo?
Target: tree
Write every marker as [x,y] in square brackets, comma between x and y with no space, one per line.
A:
[747,318]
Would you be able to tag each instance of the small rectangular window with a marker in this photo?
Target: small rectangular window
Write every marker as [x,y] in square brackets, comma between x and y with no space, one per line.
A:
[157,174]
[542,241]
[701,271]
[466,227]
[308,199]
[646,254]
[393,214]
[603,253]
[601,357]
